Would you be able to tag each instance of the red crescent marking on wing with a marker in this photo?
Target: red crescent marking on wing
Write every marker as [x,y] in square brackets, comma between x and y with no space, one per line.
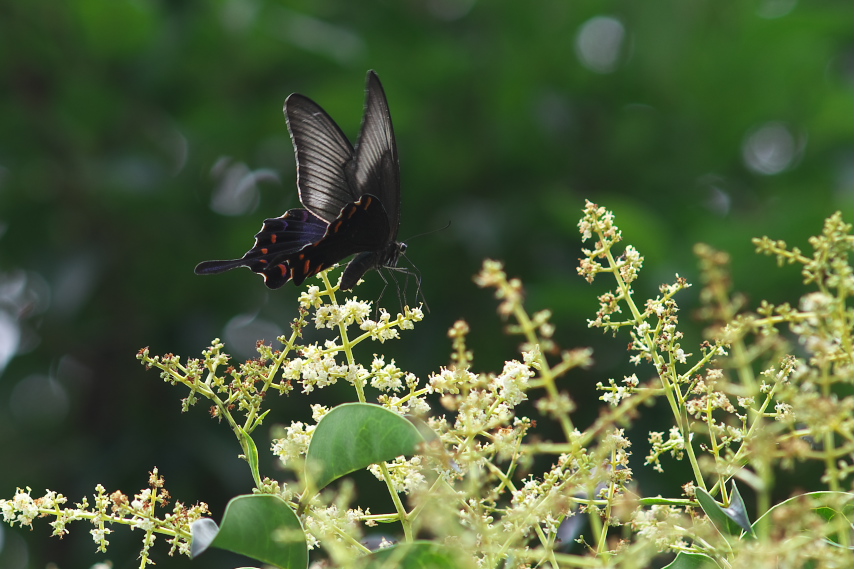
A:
[264,251]
[264,261]
[306,266]
[337,226]
[272,238]
[284,269]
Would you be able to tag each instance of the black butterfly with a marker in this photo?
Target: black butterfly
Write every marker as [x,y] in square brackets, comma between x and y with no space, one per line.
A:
[351,199]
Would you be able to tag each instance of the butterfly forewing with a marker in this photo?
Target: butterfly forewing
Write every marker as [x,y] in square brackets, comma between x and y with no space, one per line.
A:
[377,168]
[322,154]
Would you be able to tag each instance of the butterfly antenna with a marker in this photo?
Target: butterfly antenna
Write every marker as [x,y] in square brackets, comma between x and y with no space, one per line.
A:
[427,233]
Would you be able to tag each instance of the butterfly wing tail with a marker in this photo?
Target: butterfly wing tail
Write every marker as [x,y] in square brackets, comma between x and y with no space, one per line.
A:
[275,274]
[216,267]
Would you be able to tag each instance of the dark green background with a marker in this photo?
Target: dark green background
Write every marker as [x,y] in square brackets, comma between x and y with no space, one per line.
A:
[114,113]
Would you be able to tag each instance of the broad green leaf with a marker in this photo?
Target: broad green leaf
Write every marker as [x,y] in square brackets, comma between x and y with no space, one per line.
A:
[433,446]
[832,506]
[428,434]
[259,526]
[691,561]
[355,435]
[416,555]
[730,520]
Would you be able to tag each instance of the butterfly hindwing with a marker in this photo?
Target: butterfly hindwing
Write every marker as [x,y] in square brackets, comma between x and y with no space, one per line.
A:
[354,231]
[278,239]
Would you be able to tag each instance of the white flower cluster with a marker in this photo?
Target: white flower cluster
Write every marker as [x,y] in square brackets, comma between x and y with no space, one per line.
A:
[675,445]
[406,473]
[631,265]
[317,368]
[541,500]
[387,329]
[335,521]
[295,443]
[599,220]
[821,333]
[110,509]
[480,410]
[318,412]
[660,524]
[385,377]
[615,393]
[334,315]
[22,508]
[512,383]
[355,311]
[311,298]
[449,381]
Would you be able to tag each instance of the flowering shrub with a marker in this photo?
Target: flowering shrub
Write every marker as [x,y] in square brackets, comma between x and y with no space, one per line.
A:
[765,390]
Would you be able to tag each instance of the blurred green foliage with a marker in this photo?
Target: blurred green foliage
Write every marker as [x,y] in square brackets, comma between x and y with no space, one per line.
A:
[121,121]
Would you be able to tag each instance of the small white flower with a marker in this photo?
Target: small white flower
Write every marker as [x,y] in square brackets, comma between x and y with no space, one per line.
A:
[355,310]
[311,298]
[512,383]
[385,377]
[318,412]
[295,442]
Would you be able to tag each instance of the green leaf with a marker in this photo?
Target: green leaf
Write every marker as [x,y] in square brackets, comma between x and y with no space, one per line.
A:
[832,506]
[730,520]
[432,446]
[251,451]
[355,435]
[428,434]
[415,555]
[737,511]
[259,526]
[691,561]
